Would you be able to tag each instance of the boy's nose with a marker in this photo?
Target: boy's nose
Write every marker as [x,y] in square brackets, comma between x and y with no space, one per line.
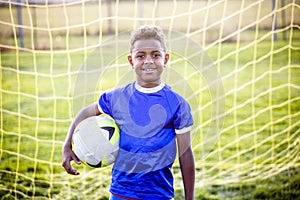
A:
[148,60]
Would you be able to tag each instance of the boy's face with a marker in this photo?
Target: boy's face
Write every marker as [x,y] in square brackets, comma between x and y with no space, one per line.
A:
[148,60]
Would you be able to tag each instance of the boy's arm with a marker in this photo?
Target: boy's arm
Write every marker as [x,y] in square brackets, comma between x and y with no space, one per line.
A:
[187,165]
[67,153]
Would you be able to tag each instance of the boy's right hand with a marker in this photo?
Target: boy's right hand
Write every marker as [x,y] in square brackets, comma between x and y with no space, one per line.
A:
[67,156]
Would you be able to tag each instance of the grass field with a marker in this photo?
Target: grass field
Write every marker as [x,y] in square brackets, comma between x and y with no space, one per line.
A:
[36,103]
[256,156]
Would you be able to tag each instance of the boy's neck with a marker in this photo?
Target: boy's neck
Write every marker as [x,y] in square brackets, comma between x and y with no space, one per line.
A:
[149,85]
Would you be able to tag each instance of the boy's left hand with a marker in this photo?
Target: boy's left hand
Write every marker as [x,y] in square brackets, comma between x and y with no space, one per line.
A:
[67,156]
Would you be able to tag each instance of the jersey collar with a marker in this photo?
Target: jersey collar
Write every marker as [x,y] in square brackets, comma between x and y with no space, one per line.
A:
[149,90]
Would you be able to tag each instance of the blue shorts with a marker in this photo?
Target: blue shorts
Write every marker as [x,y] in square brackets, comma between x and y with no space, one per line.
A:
[113,197]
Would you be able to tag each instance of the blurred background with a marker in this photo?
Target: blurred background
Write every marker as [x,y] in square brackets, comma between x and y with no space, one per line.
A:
[254,45]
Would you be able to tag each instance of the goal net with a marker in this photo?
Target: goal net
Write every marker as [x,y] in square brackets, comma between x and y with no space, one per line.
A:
[236,62]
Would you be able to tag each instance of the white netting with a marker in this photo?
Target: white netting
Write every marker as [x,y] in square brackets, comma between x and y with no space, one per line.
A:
[252,47]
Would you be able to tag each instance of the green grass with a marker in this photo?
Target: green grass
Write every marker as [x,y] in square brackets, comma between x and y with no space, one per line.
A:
[34,125]
[255,157]
[260,132]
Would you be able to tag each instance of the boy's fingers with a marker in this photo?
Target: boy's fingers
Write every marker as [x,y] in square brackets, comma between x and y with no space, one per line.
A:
[66,164]
[73,171]
[69,169]
[76,160]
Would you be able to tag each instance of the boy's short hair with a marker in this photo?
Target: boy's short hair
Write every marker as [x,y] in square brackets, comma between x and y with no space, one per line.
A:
[148,32]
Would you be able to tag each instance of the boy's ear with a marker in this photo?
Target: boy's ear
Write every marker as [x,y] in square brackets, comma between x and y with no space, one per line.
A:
[167,57]
[129,58]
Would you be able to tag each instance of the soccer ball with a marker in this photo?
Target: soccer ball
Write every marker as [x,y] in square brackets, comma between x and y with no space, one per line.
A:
[96,141]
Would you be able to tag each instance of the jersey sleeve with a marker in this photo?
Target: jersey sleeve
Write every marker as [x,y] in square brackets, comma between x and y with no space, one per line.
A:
[104,103]
[183,119]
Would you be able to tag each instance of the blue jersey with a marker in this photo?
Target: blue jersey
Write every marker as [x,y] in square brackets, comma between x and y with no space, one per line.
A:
[149,119]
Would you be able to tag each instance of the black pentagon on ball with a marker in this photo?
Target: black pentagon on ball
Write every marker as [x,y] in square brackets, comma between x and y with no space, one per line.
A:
[110,130]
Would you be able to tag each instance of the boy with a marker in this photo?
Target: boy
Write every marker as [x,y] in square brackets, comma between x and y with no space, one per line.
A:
[150,116]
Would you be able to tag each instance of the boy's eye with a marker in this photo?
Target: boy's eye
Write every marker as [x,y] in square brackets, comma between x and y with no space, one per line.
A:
[156,55]
[140,56]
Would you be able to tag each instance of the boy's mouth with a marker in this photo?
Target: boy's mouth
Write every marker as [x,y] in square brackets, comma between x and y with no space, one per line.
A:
[148,69]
